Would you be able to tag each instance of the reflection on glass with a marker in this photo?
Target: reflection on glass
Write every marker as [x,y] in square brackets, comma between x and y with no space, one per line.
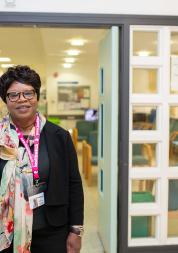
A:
[143,191]
[144,117]
[174,62]
[173,208]
[143,226]
[144,80]
[143,155]
[173,136]
[145,43]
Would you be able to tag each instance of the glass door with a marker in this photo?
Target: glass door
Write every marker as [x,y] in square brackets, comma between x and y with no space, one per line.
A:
[108,139]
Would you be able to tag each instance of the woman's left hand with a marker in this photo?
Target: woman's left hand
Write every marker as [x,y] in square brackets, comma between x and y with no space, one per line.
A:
[74,243]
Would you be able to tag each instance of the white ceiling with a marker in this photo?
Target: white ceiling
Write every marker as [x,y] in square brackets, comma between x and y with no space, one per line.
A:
[35,46]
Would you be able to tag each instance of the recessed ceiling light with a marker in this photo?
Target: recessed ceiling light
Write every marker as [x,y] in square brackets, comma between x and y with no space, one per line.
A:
[67,65]
[4,66]
[173,42]
[77,42]
[70,60]
[143,53]
[5,59]
[73,52]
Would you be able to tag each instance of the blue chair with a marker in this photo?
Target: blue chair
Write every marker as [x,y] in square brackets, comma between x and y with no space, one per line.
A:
[138,158]
[84,128]
[95,125]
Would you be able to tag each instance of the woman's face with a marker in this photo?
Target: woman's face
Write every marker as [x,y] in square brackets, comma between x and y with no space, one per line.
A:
[25,107]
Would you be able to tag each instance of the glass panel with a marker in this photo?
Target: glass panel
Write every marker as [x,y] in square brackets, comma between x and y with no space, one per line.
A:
[101,132]
[143,155]
[101,81]
[145,43]
[173,208]
[101,180]
[143,226]
[174,62]
[144,80]
[144,117]
[143,191]
[173,136]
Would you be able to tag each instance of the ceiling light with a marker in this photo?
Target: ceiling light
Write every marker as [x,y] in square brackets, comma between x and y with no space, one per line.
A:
[70,60]
[73,52]
[67,65]
[143,53]
[5,66]
[5,59]
[77,42]
[174,42]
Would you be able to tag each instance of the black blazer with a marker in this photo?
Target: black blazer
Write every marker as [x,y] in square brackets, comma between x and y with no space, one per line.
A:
[64,196]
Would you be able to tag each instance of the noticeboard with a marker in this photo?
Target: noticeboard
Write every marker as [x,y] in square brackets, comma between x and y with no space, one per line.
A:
[72,98]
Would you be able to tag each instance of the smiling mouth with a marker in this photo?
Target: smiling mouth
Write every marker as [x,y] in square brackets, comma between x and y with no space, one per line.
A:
[23,107]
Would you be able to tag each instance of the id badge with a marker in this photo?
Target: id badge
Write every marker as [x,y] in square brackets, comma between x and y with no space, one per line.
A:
[36,195]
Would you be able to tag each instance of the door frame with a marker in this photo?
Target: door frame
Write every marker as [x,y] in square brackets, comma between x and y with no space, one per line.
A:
[79,20]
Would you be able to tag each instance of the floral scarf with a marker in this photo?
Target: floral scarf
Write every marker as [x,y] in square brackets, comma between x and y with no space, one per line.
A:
[16,217]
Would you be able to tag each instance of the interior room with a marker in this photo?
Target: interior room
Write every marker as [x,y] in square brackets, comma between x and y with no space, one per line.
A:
[68,62]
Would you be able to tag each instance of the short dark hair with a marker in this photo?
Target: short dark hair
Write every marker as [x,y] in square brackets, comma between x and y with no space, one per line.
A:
[23,74]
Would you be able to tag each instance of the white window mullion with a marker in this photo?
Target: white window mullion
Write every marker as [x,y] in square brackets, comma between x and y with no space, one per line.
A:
[165,43]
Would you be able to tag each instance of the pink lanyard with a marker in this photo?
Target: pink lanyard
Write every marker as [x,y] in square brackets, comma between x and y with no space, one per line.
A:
[33,157]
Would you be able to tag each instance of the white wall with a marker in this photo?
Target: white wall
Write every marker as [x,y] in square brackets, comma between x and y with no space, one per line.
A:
[156,7]
[84,75]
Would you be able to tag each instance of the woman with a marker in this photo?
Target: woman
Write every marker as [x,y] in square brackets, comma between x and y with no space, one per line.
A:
[41,196]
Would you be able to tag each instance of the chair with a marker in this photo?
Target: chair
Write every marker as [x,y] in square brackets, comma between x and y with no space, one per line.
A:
[85,127]
[138,156]
[84,157]
[152,116]
[142,126]
[93,141]
[95,125]
[142,121]
[75,137]
[88,174]
[86,162]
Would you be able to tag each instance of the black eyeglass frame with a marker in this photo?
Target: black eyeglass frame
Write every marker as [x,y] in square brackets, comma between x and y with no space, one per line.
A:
[19,94]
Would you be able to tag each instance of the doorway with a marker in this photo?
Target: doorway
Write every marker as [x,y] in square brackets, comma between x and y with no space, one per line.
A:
[47,51]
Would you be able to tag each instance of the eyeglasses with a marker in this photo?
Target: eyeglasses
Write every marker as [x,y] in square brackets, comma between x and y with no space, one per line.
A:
[14,96]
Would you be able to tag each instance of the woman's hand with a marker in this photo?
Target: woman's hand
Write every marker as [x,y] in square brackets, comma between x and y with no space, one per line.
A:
[74,243]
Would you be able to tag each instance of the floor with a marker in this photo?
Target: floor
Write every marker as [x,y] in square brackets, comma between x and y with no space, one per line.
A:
[91,242]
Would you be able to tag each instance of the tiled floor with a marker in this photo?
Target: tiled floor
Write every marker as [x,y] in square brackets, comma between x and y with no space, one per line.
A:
[91,242]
